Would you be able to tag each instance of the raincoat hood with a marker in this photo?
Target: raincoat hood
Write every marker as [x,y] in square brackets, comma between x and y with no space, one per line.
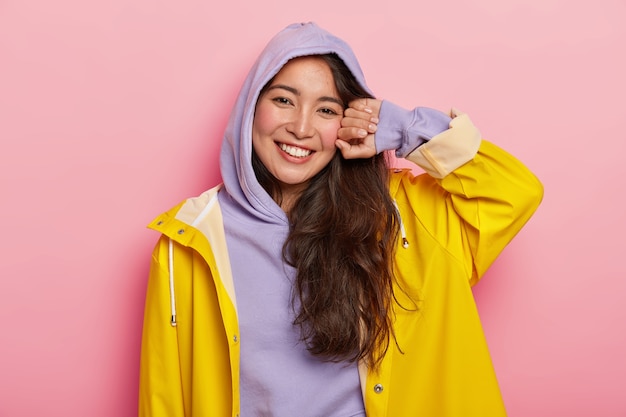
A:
[300,39]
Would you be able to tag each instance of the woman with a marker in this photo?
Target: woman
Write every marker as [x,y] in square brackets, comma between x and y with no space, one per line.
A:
[316,282]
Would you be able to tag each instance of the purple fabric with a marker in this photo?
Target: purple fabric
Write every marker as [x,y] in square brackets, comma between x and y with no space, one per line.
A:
[278,375]
[296,40]
[404,130]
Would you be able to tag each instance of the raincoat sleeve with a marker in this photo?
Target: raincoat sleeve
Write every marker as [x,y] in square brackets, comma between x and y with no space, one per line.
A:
[474,197]
[160,387]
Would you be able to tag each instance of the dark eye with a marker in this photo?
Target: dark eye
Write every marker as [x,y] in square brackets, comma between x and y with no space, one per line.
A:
[281,100]
[328,111]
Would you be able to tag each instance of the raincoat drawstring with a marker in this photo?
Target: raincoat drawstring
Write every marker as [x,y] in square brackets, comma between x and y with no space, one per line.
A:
[405,241]
[171,273]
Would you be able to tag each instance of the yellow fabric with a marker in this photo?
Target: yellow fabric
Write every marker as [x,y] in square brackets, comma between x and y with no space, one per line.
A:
[448,150]
[186,370]
[456,226]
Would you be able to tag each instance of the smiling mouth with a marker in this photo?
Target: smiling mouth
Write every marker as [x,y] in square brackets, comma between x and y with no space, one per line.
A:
[294,151]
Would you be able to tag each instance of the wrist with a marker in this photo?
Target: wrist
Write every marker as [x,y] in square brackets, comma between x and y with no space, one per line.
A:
[404,130]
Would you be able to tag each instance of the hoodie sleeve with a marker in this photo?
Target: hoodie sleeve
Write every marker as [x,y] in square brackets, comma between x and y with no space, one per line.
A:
[404,130]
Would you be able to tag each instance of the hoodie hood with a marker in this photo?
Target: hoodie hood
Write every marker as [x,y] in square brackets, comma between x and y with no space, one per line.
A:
[240,182]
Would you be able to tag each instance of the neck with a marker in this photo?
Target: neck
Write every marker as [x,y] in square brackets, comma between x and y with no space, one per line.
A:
[290,194]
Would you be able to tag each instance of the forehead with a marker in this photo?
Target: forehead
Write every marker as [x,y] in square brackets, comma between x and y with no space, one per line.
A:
[310,71]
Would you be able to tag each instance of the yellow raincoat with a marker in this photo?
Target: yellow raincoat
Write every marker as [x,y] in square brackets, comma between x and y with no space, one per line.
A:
[455,220]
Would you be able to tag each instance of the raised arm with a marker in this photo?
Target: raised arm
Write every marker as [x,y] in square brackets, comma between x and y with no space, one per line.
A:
[475,196]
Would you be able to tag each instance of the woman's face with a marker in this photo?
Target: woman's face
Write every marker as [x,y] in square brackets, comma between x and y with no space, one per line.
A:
[296,122]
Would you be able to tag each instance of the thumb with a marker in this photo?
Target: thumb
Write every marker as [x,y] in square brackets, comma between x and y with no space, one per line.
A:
[342,145]
[349,151]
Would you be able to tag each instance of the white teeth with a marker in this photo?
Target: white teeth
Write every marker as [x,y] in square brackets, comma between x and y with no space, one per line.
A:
[295,151]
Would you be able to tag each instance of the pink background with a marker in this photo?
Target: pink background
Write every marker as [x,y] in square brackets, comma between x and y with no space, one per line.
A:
[112,111]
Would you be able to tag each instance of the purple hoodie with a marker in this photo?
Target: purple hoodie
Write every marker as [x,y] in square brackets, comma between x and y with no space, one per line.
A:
[278,375]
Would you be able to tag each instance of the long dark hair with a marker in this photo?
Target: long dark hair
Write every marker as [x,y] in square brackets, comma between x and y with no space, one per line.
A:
[344,229]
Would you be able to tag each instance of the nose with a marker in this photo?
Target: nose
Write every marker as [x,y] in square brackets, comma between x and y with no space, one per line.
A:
[301,126]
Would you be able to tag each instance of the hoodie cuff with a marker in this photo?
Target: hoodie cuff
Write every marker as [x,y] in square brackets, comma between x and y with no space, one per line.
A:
[404,130]
[449,150]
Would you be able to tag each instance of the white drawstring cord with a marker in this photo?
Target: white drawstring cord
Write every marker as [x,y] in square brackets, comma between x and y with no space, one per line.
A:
[405,242]
[171,272]
[171,261]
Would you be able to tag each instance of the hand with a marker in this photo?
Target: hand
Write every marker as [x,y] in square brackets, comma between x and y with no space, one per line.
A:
[355,138]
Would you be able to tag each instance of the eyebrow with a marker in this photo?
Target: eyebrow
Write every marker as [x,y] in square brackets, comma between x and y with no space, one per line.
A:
[297,93]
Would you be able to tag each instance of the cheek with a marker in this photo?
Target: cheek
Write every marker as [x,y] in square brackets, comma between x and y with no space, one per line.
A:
[329,134]
[262,122]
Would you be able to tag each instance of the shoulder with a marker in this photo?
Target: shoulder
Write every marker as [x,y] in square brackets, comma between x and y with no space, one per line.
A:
[188,210]
[404,182]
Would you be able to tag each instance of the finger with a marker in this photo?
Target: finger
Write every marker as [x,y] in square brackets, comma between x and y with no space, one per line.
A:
[351,133]
[367,105]
[355,151]
[454,112]
[360,104]
[351,122]
[358,114]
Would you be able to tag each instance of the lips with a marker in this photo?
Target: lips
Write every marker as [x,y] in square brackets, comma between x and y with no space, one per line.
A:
[295,151]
